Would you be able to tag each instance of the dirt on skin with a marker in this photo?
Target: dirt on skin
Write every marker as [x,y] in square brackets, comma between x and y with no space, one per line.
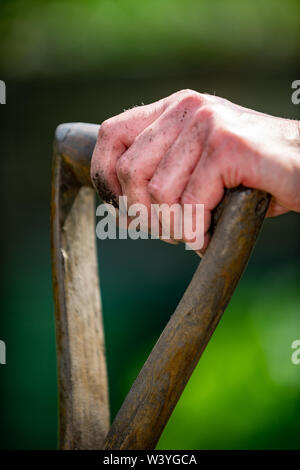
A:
[103,190]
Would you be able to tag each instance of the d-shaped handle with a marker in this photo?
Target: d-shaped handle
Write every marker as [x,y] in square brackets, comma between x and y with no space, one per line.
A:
[155,392]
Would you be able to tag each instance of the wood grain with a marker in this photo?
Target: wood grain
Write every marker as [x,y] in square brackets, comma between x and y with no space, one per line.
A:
[167,370]
[83,392]
[155,392]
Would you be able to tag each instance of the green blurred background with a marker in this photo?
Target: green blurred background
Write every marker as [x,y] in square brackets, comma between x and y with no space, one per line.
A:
[88,60]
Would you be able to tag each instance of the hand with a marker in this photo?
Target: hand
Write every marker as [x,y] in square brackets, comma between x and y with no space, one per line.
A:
[187,148]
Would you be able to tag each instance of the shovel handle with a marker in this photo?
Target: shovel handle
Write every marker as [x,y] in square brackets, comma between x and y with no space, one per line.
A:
[155,392]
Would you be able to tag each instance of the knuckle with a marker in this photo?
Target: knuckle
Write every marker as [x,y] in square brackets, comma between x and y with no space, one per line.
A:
[160,192]
[186,92]
[106,129]
[155,191]
[205,113]
[190,99]
[188,198]
[124,169]
[129,170]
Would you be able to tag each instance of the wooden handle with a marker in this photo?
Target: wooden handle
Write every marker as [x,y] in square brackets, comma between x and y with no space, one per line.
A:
[167,370]
[155,392]
[82,377]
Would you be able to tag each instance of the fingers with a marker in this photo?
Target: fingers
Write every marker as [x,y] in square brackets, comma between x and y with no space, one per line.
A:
[205,186]
[184,150]
[177,165]
[115,136]
[137,165]
[173,173]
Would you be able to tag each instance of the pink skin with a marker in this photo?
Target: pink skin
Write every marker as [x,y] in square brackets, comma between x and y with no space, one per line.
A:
[189,147]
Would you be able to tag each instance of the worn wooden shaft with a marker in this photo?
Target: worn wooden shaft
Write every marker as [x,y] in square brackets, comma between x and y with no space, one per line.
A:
[159,385]
[155,392]
[82,378]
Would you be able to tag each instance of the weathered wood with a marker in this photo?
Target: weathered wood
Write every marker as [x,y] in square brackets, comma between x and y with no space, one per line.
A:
[154,394]
[167,370]
[83,394]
